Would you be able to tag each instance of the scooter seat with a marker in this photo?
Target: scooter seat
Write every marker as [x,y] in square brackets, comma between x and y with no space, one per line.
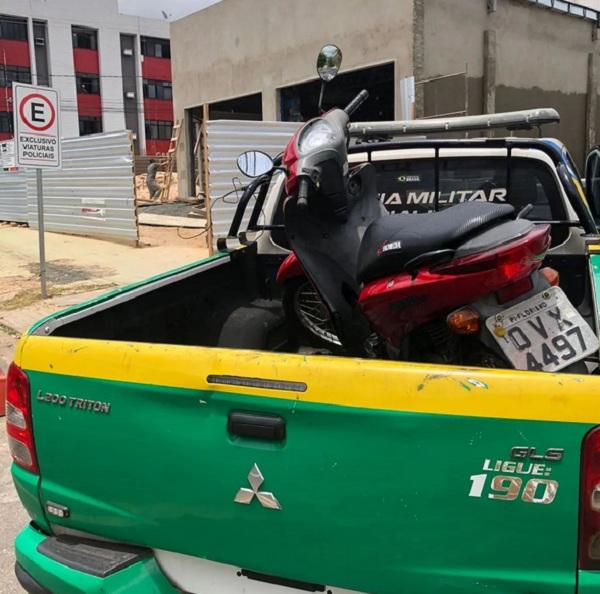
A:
[391,242]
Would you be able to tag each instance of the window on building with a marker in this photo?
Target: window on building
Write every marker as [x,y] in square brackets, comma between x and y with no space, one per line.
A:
[299,103]
[156,48]
[157,130]
[84,38]
[8,74]
[89,125]
[6,118]
[11,28]
[40,45]
[88,84]
[158,89]
[248,107]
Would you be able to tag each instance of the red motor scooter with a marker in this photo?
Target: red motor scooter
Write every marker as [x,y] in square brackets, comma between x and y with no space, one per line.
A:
[460,286]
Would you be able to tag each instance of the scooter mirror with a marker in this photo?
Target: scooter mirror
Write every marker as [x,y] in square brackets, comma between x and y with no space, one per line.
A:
[329,62]
[254,163]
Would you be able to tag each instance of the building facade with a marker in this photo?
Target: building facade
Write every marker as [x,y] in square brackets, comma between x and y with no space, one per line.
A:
[416,57]
[112,71]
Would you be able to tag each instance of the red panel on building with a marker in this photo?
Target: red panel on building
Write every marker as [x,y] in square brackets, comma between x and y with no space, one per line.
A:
[156,68]
[89,105]
[158,109]
[86,60]
[5,98]
[5,136]
[153,147]
[14,53]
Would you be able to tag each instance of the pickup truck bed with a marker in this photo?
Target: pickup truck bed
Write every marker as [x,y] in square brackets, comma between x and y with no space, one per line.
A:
[390,476]
[188,307]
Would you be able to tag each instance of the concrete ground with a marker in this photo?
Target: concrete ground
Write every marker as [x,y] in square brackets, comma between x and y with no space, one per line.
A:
[12,519]
[163,248]
[78,268]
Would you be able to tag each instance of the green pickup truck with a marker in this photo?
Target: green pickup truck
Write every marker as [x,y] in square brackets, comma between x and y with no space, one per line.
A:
[169,437]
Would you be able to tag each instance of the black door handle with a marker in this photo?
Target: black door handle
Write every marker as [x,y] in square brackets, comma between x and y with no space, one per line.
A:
[245,424]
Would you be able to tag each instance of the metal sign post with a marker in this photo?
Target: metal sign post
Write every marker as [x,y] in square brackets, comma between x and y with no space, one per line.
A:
[41,239]
[37,145]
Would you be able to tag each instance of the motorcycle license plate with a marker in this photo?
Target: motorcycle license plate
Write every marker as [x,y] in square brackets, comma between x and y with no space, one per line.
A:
[543,333]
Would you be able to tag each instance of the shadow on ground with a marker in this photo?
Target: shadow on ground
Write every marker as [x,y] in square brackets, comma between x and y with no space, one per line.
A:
[64,272]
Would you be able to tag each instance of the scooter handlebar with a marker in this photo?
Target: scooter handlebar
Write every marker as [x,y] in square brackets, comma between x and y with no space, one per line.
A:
[302,193]
[356,102]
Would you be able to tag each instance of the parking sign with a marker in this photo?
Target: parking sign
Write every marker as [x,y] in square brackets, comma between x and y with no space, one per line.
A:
[37,128]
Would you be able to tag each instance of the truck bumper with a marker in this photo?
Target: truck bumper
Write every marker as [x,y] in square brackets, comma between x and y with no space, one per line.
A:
[588,582]
[51,565]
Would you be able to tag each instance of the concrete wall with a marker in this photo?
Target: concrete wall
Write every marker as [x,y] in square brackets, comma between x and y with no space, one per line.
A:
[519,56]
[97,14]
[541,60]
[237,47]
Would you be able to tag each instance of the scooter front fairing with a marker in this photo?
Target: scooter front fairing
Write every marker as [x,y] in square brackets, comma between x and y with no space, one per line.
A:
[328,247]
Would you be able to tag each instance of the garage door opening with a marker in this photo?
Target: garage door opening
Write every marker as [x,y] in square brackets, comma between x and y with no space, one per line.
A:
[240,108]
[299,103]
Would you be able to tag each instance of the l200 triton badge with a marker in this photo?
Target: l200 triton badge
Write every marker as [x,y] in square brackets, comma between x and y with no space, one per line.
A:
[97,406]
[266,498]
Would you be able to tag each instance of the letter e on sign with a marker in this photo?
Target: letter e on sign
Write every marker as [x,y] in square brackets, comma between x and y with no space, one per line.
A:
[37,126]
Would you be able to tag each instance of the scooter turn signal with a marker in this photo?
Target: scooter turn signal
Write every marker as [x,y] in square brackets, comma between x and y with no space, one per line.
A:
[464,321]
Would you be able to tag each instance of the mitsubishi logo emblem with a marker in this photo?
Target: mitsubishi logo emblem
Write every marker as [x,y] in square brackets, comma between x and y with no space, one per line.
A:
[256,479]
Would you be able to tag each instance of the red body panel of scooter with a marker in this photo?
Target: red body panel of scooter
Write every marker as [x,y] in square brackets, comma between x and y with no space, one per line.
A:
[396,304]
[290,268]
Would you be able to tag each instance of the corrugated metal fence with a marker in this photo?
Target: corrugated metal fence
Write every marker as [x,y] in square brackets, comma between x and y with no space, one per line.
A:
[13,196]
[226,140]
[93,193]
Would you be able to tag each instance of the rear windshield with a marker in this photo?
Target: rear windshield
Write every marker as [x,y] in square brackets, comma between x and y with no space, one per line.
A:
[409,185]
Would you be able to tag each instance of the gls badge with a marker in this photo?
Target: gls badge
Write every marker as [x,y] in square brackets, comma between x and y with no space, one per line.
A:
[525,452]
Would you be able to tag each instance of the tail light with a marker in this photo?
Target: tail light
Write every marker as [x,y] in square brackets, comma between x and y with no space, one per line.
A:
[18,419]
[589,513]
[524,285]
[512,261]
[514,290]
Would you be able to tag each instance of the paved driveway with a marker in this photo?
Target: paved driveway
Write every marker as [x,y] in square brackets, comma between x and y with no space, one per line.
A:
[76,266]
[12,519]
